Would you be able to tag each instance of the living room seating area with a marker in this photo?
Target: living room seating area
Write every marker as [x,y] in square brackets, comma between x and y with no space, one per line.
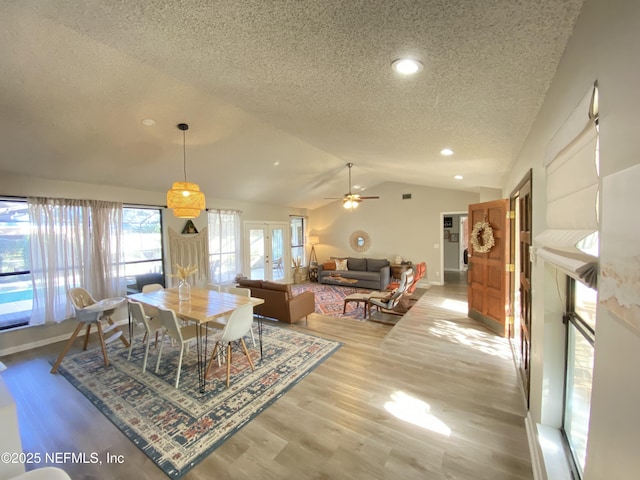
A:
[367,272]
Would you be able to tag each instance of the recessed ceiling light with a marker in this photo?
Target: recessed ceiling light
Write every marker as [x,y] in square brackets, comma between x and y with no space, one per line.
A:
[275,164]
[148,122]
[458,177]
[406,66]
[447,152]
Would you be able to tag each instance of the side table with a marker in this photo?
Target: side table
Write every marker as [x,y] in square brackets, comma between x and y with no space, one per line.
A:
[396,270]
[313,273]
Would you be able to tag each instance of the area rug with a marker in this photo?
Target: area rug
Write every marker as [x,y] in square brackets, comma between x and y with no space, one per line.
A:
[330,299]
[177,428]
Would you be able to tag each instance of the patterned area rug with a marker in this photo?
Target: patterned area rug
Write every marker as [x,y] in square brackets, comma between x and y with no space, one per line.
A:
[330,299]
[179,428]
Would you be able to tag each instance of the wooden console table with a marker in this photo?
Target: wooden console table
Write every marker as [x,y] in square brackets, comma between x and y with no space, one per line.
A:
[396,270]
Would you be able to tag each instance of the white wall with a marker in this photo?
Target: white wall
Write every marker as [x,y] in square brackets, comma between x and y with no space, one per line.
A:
[22,186]
[409,228]
[602,47]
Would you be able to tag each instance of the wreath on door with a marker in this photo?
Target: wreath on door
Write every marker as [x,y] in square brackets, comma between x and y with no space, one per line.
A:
[482,230]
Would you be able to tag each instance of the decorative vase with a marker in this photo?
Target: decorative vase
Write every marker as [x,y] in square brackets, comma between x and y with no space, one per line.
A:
[184,291]
[297,277]
[397,260]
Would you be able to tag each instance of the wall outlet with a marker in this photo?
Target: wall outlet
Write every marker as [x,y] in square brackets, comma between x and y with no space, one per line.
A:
[436,245]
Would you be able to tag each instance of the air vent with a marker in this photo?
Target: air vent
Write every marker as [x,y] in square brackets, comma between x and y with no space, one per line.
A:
[406,196]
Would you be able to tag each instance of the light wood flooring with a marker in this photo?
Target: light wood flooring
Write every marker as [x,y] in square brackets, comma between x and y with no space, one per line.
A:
[434,397]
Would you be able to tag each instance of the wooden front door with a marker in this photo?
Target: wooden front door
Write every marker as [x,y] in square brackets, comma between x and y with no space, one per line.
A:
[488,292]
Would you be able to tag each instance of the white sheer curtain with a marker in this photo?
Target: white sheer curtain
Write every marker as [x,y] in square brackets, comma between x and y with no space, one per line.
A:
[73,243]
[225,260]
[107,277]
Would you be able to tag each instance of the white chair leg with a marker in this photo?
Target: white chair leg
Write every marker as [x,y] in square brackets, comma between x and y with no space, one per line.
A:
[160,353]
[130,350]
[253,339]
[179,365]
[146,354]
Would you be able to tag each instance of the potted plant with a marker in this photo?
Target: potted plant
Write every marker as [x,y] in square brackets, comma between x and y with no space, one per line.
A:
[297,273]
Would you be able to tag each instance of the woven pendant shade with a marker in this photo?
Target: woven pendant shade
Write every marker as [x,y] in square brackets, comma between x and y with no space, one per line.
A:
[185,199]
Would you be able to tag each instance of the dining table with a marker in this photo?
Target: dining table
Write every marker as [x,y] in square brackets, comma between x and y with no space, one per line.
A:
[205,308]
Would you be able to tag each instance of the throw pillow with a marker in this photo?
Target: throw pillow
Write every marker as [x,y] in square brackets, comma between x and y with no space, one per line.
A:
[341,264]
[329,265]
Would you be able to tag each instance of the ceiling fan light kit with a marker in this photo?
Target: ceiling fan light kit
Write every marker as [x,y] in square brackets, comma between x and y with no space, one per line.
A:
[351,200]
[185,198]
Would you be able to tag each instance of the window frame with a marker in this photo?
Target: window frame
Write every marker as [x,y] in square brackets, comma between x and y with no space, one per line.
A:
[572,319]
[133,288]
[22,322]
[298,247]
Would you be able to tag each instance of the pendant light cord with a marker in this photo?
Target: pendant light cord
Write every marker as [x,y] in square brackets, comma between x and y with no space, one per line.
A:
[184,153]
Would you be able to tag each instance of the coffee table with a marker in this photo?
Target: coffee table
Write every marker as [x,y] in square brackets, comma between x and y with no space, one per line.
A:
[339,279]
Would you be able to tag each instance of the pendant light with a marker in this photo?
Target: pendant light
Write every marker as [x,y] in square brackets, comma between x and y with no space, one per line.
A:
[185,198]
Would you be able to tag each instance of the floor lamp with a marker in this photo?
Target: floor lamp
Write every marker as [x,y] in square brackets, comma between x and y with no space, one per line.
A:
[313,240]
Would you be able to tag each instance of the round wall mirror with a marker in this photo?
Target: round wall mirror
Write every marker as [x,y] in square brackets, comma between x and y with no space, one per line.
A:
[360,241]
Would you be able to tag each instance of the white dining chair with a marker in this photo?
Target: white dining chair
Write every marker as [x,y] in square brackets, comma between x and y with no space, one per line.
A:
[151,287]
[182,334]
[238,325]
[151,326]
[213,286]
[245,292]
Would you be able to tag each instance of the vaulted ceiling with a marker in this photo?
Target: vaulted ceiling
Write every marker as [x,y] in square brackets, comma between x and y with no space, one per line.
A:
[279,95]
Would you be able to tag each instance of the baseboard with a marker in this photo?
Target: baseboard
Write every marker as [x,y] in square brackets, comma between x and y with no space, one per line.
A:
[47,341]
[537,460]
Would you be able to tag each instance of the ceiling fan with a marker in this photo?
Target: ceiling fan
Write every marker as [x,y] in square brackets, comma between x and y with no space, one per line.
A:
[351,200]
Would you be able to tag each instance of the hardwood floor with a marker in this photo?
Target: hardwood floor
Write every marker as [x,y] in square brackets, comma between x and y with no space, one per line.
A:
[434,397]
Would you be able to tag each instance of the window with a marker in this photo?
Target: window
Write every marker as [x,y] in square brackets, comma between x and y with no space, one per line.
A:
[16,293]
[581,324]
[224,246]
[297,239]
[143,252]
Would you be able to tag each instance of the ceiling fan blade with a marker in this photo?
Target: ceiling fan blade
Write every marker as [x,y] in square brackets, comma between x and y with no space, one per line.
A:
[368,198]
[333,198]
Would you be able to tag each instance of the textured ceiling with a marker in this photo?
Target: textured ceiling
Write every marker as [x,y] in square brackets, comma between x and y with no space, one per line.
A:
[304,83]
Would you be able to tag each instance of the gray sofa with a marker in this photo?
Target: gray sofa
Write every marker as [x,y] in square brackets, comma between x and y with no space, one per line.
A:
[371,273]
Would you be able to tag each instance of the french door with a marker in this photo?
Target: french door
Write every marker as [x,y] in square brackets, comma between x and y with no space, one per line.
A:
[267,250]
